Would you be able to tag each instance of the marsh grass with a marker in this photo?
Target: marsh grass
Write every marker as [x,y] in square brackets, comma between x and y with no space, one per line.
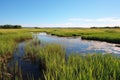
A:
[52,58]
[89,67]
[8,43]
[55,66]
[109,35]
[11,73]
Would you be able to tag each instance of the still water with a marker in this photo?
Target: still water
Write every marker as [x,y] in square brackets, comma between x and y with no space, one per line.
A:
[77,45]
[29,70]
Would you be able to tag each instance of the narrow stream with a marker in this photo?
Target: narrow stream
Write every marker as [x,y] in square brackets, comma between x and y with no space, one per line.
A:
[77,45]
[28,68]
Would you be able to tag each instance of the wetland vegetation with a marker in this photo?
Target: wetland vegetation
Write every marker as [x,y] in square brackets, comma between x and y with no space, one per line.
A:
[56,66]
[51,58]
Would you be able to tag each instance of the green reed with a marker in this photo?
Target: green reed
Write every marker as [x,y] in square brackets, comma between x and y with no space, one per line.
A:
[56,66]
[8,43]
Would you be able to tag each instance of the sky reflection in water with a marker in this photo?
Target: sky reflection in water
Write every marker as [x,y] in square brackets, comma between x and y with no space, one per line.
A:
[77,45]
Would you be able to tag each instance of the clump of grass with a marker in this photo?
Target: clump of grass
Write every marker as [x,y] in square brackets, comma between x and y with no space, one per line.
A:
[31,49]
[9,41]
[108,37]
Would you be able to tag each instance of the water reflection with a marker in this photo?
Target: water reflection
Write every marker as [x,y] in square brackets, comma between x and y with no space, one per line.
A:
[77,45]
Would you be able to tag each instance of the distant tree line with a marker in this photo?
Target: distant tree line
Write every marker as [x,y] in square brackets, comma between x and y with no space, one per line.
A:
[37,27]
[10,26]
[107,27]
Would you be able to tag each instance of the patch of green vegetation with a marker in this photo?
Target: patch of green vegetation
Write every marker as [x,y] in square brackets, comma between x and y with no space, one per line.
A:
[108,37]
[8,41]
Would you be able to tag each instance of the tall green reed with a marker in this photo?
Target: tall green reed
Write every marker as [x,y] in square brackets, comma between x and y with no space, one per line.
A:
[55,66]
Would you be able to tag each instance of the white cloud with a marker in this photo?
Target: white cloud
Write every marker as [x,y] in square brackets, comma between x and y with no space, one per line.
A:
[75,25]
[54,25]
[108,19]
[80,19]
[82,22]
[101,22]
[59,25]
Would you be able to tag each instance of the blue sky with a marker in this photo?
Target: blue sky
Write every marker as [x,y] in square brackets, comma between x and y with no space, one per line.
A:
[60,13]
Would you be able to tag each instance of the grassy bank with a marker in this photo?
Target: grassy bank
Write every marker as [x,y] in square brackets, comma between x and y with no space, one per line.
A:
[55,66]
[9,39]
[8,42]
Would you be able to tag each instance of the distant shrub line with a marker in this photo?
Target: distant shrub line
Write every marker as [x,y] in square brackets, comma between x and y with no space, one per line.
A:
[10,26]
[106,27]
